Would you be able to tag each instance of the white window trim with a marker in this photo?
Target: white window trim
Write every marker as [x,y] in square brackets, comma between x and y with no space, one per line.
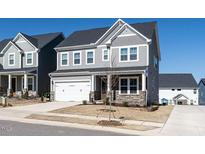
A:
[87,57]
[9,59]
[128,54]
[108,51]
[31,58]
[128,85]
[22,81]
[74,58]
[61,54]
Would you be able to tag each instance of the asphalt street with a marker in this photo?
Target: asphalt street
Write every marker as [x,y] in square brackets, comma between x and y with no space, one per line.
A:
[11,128]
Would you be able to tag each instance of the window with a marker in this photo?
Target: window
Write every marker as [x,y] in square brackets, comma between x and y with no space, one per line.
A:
[124,54]
[64,59]
[76,57]
[173,89]
[105,55]
[129,85]
[178,89]
[29,58]
[128,54]
[133,86]
[124,86]
[11,59]
[195,91]
[90,57]
[133,53]
[30,82]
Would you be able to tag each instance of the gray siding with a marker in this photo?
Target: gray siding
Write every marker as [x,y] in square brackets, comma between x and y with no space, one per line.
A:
[12,49]
[128,40]
[35,64]
[201,94]
[100,63]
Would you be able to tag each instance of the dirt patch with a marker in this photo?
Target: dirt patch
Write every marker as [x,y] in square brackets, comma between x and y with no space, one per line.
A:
[88,122]
[128,113]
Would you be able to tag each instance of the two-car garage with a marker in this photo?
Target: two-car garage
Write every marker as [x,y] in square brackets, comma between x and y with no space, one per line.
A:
[72,89]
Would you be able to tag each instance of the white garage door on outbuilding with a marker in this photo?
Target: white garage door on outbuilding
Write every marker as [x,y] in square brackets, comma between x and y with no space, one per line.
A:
[72,90]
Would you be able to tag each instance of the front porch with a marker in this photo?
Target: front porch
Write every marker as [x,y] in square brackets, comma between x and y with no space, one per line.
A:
[120,88]
[16,83]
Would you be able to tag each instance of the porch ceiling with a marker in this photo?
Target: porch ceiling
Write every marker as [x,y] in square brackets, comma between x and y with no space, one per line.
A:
[18,71]
[100,71]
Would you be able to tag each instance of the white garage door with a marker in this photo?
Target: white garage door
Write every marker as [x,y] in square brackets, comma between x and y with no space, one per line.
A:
[72,91]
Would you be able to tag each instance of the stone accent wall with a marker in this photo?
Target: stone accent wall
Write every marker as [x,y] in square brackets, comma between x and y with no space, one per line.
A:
[132,99]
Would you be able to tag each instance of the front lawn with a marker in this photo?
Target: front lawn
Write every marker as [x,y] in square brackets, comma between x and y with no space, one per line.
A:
[21,101]
[129,113]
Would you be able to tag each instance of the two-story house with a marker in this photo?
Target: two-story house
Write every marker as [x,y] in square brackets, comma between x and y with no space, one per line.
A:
[26,61]
[122,59]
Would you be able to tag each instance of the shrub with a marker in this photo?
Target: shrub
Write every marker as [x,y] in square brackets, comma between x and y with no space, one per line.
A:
[106,101]
[125,104]
[84,102]
[25,95]
[152,108]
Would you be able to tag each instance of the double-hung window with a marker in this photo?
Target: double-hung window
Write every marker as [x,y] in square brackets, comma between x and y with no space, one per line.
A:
[128,54]
[129,85]
[64,59]
[76,58]
[90,57]
[30,82]
[29,58]
[105,55]
[124,54]
[133,53]
[11,59]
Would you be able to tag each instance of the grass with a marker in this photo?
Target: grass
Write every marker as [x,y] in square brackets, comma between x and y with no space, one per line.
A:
[87,122]
[129,113]
[22,102]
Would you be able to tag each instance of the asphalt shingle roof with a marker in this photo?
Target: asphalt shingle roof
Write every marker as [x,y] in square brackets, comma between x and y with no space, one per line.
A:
[84,37]
[38,41]
[203,81]
[177,81]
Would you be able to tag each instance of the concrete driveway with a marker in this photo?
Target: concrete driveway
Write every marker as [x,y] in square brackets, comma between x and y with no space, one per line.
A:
[185,121]
[23,111]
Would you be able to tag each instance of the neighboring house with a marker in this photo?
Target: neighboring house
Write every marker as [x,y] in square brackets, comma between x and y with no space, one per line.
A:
[122,59]
[26,62]
[202,92]
[178,89]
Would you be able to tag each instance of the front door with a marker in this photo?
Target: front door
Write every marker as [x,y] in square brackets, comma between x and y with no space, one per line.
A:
[13,84]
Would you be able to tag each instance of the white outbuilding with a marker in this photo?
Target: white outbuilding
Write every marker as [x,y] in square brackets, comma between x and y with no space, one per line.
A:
[178,89]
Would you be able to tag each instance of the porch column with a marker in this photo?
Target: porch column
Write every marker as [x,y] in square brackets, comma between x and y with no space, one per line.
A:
[92,92]
[93,83]
[143,82]
[9,81]
[9,85]
[25,82]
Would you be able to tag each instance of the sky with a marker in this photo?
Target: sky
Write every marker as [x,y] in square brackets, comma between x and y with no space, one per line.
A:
[182,41]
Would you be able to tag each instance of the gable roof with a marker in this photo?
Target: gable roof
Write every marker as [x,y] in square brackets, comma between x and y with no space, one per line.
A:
[203,81]
[86,37]
[177,81]
[39,41]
